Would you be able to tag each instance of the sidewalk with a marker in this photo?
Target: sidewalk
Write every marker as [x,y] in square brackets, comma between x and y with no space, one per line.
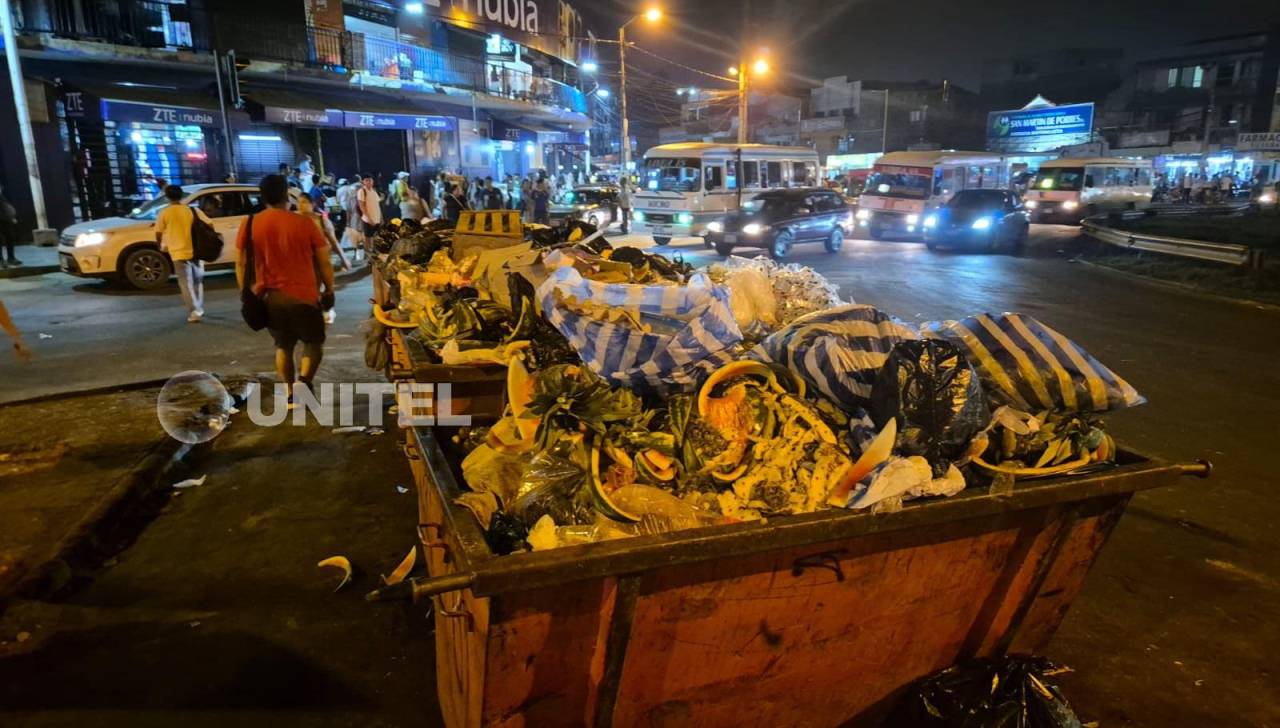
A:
[36,260]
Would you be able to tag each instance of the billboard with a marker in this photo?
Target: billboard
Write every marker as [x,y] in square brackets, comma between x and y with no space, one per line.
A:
[1259,142]
[1039,129]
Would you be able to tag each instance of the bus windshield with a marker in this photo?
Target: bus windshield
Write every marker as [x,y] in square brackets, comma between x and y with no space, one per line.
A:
[909,186]
[1069,179]
[665,174]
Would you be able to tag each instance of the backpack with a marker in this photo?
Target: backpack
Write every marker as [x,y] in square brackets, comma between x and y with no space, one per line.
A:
[206,243]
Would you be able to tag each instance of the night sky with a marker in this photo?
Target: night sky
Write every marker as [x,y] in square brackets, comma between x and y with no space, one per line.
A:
[906,40]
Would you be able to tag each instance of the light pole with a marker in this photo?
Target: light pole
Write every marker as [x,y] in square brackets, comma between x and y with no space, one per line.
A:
[652,15]
[23,112]
[760,67]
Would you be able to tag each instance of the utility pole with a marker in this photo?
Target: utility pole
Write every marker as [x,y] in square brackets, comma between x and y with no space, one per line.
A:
[744,103]
[622,82]
[884,130]
[42,234]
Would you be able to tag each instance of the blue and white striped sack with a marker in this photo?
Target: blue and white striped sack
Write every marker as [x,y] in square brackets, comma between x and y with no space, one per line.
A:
[837,352]
[1030,366]
[695,332]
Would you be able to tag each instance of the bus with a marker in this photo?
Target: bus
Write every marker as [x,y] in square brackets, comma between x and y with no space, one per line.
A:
[1068,190]
[683,187]
[904,185]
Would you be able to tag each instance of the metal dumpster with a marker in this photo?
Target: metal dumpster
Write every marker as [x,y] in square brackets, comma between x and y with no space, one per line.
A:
[815,620]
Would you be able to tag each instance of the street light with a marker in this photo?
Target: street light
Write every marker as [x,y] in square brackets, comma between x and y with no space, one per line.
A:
[759,68]
[590,67]
[652,15]
[602,93]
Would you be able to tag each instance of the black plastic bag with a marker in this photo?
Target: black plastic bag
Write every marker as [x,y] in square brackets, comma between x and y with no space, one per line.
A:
[1005,692]
[937,398]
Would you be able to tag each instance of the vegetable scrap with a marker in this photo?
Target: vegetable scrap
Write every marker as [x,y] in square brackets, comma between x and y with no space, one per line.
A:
[643,396]
[341,563]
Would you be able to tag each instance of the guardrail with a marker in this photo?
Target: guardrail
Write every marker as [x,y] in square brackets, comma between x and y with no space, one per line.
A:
[1229,253]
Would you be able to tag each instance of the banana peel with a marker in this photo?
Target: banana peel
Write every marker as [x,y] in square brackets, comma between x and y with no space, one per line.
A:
[338,562]
[402,570]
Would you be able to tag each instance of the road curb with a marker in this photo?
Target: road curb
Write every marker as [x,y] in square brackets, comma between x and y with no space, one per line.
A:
[1180,287]
[91,392]
[109,526]
[27,271]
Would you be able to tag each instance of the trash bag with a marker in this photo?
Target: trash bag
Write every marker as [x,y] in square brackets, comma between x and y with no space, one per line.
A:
[687,331]
[1031,367]
[937,398]
[506,534]
[838,352]
[555,484]
[1003,692]
[377,349]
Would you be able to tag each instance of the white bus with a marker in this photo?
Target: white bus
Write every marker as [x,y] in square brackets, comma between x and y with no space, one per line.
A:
[685,186]
[903,185]
[1067,190]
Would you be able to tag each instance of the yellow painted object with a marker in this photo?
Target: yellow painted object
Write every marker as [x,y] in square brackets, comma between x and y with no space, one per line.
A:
[381,317]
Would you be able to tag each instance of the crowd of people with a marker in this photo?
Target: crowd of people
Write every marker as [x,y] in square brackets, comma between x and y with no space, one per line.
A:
[1202,188]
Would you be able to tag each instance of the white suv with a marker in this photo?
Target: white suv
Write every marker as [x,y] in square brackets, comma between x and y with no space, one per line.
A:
[125,248]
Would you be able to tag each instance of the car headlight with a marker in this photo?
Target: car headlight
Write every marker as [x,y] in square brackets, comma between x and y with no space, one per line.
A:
[84,240]
[863,215]
[931,221]
[1031,204]
[715,226]
[684,218]
[637,216]
[1267,198]
[912,219]
[753,228]
[982,223]
[1070,205]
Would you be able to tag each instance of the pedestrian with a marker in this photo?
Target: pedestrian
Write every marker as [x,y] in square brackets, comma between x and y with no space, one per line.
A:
[493,196]
[8,233]
[1226,185]
[317,216]
[411,207]
[316,192]
[1186,188]
[454,203]
[20,349]
[426,192]
[624,204]
[526,197]
[304,173]
[173,233]
[398,190]
[370,208]
[541,202]
[291,261]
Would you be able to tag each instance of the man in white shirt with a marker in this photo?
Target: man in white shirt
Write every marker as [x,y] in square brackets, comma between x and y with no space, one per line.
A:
[370,204]
[173,233]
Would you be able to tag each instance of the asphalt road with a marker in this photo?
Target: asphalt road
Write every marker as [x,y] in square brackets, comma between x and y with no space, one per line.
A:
[1177,623]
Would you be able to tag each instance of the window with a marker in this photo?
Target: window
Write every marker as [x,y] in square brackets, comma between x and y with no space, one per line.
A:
[751,174]
[1144,177]
[1173,77]
[917,116]
[226,204]
[1226,76]
[828,203]
[672,175]
[713,175]
[1197,77]
[773,174]
[800,174]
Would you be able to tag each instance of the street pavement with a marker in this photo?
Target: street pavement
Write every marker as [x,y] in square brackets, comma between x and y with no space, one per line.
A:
[1176,622]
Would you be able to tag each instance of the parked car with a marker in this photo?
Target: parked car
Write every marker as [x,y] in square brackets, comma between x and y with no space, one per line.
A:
[984,219]
[125,248]
[595,204]
[778,219]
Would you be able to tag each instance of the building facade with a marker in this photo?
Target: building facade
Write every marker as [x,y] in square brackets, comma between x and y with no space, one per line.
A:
[124,93]
[1209,107]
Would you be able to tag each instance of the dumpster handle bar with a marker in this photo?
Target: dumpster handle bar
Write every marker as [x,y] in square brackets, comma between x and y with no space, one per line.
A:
[1199,468]
[417,588]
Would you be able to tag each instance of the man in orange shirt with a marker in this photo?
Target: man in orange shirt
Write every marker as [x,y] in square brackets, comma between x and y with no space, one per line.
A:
[288,253]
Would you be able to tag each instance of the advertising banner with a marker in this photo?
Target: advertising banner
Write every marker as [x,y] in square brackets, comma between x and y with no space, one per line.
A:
[361,120]
[303,117]
[1041,129]
[533,23]
[149,113]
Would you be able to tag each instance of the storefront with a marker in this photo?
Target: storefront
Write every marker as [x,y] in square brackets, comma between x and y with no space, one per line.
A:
[124,150]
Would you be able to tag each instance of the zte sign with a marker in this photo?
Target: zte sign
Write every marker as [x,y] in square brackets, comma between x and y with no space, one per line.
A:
[519,15]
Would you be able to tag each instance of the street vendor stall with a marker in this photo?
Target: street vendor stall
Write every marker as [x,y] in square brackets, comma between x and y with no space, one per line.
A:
[725,497]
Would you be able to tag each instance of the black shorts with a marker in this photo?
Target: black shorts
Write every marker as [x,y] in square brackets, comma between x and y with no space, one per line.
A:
[291,321]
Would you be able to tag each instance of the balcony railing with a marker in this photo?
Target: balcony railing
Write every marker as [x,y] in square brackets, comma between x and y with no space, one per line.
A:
[141,23]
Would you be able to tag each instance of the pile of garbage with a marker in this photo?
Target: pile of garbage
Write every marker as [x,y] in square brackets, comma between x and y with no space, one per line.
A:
[644,396]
